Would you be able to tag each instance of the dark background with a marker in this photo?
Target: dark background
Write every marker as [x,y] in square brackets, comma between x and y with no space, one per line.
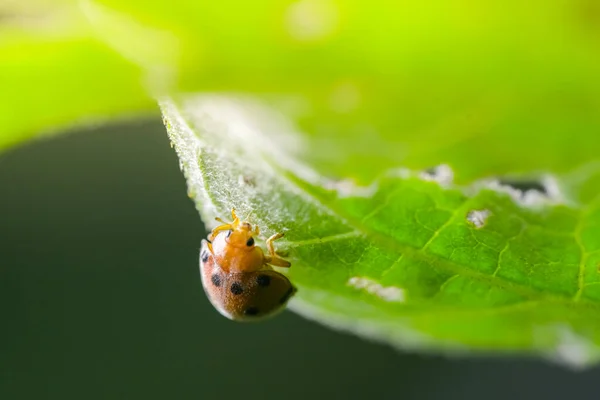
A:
[100,298]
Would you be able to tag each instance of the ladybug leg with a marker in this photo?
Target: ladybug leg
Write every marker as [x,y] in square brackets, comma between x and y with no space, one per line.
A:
[225,225]
[270,243]
[234,216]
[273,258]
[277,261]
[220,228]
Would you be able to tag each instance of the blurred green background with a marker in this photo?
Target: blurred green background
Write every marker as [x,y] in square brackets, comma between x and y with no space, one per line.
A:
[100,298]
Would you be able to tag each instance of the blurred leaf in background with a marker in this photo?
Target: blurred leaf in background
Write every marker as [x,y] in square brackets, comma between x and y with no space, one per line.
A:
[411,83]
[488,88]
[54,73]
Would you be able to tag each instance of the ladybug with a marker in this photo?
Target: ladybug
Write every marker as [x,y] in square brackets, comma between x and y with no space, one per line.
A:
[238,276]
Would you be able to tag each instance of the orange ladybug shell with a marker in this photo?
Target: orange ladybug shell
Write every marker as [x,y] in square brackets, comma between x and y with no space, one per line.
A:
[244,296]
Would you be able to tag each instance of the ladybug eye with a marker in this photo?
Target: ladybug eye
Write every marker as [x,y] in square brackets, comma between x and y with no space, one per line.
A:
[229,233]
[250,242]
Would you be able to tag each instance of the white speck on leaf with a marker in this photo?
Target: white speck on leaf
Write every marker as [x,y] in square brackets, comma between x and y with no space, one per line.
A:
[441,174]
[348,188]
[389,293]
[572,349]
[531,198]
[553,189]
[478,217]
[308,20]
[404,337]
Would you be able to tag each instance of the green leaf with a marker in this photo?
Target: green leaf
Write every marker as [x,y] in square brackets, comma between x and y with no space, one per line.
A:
[413,259]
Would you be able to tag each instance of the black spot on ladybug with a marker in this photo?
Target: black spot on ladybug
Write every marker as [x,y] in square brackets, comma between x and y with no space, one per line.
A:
[287,295]
[263,280]
[236,288]
[216,280]
[229,233]
[251,311]
[250,242]
[204,256]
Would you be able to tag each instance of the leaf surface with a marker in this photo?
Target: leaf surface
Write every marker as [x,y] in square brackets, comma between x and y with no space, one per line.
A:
[413,259]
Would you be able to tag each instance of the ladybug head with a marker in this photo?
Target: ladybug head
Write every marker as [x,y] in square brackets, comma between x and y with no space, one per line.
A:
[241,234]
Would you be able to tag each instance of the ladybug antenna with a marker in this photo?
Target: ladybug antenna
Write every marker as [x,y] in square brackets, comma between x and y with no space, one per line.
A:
[235,218]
